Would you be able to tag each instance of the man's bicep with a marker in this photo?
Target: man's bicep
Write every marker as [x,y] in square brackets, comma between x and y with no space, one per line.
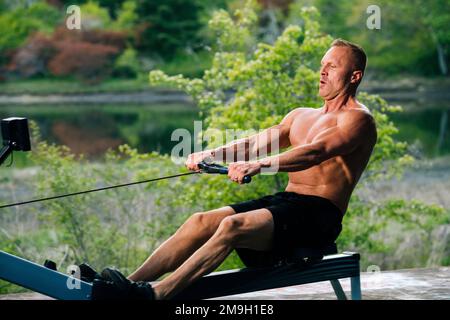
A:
[272,138]
[343,142]
[343,139]
[284,128]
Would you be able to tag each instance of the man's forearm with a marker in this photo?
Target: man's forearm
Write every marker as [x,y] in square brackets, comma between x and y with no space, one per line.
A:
[296,159]
[238,150]
[249,148]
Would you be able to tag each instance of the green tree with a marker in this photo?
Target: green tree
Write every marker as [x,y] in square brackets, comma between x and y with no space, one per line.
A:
[412,34]
[334,16]
[17,24]
[94,16]
[112,6]
[165,28]
[436,18]
[126,16]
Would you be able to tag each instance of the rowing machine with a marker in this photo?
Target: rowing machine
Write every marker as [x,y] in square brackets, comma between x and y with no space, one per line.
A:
[46,280]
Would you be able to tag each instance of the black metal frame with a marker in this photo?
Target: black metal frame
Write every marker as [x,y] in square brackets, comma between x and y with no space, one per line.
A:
[231,282]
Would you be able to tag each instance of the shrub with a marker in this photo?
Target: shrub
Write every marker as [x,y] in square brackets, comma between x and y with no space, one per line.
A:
[89,62]
[32,58]
[127,64]
[86,55]
[114,39]
[19,23]
[94,16]
[126,16]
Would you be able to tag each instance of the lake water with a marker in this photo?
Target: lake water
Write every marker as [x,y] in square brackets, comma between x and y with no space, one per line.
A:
[93,128]
[425,126]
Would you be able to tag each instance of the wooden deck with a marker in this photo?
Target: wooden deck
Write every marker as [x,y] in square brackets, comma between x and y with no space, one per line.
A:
[408,284]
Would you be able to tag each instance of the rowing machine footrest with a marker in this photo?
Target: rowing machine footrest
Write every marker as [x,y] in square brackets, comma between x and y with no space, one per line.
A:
[50,264]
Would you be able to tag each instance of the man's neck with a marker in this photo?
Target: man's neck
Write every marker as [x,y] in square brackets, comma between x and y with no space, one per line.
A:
[339,102]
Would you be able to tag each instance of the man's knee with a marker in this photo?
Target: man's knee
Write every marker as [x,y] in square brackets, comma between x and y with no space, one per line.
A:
[195,221]
[230,229]
[248,230]
[201,223]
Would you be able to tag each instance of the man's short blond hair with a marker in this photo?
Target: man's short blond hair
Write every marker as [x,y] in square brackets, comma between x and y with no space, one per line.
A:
[358,53]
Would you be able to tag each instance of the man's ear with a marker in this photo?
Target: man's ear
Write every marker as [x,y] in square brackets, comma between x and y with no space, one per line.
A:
[356,76]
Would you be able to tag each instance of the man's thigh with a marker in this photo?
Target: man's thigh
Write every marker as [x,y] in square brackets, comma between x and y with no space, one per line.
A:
[254,230]
[210,220]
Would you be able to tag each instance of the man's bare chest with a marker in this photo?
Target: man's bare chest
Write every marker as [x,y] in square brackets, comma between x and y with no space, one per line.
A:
[307,126]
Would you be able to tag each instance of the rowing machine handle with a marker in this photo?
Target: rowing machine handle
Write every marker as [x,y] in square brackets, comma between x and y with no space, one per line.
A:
[216,168]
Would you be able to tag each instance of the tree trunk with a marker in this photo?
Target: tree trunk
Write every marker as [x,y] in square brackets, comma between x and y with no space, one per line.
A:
[440,52]
[442,130]
[441,58]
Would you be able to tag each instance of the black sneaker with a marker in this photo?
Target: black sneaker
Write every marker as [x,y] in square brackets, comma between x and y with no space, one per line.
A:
[113,285]
[88,274]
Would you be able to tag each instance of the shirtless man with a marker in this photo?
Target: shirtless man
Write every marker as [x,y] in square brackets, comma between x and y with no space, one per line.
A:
[330,148]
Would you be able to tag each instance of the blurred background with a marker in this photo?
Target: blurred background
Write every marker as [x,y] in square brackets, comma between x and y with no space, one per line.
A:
[120,41]
[88,90]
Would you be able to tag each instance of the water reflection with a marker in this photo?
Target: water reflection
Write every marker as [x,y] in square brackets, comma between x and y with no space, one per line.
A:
[92,129]
[426,127]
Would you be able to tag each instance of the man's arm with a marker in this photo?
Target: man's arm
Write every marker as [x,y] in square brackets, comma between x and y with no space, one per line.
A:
[350,132]
[249,148]
[257,145]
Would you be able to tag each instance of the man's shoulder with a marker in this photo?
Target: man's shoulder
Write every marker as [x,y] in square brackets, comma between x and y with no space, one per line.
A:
[359,120]
[294,114]
[358,113]
[303,110]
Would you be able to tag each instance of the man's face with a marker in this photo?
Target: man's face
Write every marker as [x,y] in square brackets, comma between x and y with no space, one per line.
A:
[336,72]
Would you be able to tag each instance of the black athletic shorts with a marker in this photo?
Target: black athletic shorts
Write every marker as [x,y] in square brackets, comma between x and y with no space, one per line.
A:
[299,221]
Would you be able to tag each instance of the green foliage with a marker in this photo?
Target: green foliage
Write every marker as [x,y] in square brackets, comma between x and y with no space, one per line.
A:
[107,15]
[127,16]
[234,35]
[436,19]
[113,6]
[168,27]
[191,64]
[389,156]
[17,24]
[127,64]
[334,15]
[381,230]
[410,34]
[436,15]
[94,16]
